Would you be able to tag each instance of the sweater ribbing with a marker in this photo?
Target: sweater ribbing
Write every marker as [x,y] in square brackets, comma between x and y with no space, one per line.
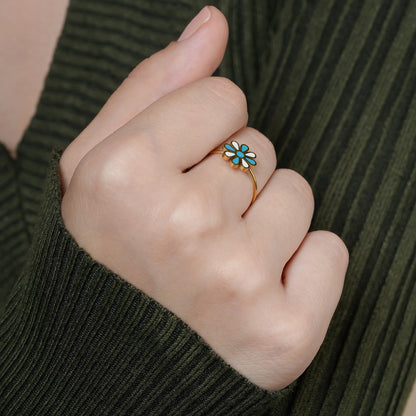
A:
[332,84]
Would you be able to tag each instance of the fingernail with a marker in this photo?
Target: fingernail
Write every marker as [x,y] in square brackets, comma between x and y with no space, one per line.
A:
[202,17]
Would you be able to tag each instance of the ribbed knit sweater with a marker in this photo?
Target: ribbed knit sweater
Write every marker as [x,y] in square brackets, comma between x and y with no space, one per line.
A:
[333,85]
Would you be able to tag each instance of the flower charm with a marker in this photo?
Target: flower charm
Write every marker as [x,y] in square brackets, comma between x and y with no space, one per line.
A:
[238,156]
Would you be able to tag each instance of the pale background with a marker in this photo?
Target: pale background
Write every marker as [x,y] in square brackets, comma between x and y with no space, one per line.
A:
[411,403]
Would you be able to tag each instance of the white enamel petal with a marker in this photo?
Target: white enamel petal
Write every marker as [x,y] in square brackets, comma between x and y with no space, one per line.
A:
[250,154]
[229,154]
[235,144]
[244,163]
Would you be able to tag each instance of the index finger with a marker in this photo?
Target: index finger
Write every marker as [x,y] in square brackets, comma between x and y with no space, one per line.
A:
[185,125]
[168,69]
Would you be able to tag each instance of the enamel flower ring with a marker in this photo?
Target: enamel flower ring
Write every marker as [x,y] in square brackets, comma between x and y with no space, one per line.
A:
[240,157]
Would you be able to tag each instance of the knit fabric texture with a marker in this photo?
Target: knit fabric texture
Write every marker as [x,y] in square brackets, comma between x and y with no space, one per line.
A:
[333,85]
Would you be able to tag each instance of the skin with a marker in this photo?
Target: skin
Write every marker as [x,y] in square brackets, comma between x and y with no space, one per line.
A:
[29,32]
[143,196]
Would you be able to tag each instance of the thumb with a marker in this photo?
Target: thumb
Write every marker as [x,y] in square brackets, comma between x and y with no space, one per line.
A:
[196,54]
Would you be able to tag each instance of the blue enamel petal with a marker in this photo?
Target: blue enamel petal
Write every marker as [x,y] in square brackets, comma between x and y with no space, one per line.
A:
[244,148]
[236,160]
[251,161]
[227,146]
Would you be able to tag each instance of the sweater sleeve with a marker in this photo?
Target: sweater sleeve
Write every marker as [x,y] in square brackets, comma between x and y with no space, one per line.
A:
[76,339]
[14,238]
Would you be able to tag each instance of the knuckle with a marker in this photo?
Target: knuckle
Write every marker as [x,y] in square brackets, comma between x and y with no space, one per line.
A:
[146,68]
[191,218]
[302,331]
[239,279]
[110,174]
[228,92]
[140,70]
[111,168]
[339,249]
[264,143]
[297,342]
[300,184]
[229,285]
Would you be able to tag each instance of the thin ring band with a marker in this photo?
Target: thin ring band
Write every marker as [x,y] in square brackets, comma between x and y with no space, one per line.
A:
[240,157]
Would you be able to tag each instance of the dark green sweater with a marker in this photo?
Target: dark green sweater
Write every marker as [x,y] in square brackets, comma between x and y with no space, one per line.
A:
[333,84]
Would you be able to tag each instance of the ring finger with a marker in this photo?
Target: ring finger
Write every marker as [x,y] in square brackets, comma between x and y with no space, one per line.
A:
[233,187]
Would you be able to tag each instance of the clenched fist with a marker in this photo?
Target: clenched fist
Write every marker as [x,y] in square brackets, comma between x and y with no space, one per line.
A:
[144,196]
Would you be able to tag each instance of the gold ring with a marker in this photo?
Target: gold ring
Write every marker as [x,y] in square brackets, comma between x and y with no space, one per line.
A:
[240,157]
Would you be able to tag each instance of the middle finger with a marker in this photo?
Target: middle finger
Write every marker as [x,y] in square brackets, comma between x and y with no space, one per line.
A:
[186,124]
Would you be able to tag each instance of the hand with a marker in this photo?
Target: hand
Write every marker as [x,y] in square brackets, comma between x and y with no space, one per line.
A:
[144,197]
